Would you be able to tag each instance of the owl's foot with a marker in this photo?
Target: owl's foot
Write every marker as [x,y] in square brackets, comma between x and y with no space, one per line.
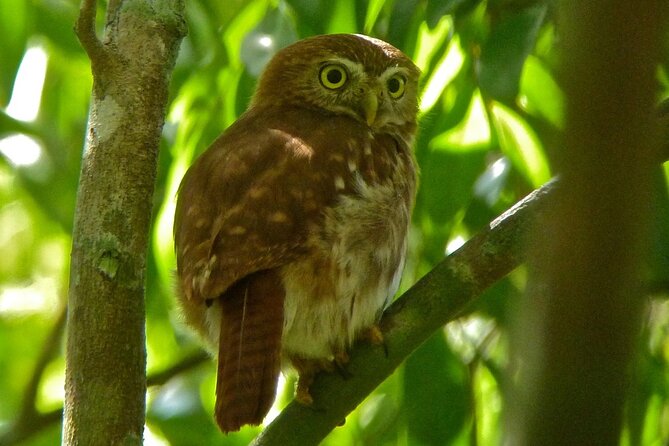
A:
[374,336]
[339,362]
[307,370]
[302,394]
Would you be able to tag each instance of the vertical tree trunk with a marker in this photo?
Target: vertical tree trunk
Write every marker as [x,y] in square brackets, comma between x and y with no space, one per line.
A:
[586,293]
[106,356]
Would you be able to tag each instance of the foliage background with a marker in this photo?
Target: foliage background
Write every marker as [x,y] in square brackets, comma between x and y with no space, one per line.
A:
[491,118]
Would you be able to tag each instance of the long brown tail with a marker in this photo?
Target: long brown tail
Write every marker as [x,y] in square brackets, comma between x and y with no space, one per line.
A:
[249,350]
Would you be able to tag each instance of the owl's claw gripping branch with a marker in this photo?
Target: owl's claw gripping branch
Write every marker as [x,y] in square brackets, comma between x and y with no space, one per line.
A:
[339,362]
[297,216]
[302,394]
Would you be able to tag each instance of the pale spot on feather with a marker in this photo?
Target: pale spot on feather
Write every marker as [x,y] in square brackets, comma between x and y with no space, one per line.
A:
[352,165]
[278,217]
[191,210]
[200,223]
[310,205]
[237,230]
[368,148]
[339,183]
[258,191]
[338,157]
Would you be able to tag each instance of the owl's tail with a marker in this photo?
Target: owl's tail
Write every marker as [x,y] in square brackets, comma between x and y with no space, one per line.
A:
[249,354]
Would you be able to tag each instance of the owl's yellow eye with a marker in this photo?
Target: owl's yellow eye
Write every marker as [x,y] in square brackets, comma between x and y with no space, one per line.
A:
[395,86]
[333,76]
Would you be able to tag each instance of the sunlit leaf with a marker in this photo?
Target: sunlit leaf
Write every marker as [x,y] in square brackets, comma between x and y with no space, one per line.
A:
[343,18]
[430,40]
[519,142]
[373,10]
[275,31]
[540,94]
[238,28]
[473,133]
[445,71]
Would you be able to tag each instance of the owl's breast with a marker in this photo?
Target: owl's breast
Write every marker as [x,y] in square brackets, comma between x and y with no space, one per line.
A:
[356,256]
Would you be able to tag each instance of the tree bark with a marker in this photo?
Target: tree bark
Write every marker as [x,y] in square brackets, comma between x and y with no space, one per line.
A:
[105,380]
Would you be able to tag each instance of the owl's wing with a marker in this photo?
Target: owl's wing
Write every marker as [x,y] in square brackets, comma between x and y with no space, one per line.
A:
[240,209]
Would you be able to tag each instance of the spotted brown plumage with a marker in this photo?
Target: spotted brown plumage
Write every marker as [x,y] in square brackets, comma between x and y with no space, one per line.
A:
[291,228]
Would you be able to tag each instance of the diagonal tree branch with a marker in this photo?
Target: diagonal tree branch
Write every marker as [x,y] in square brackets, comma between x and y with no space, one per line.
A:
[439,297]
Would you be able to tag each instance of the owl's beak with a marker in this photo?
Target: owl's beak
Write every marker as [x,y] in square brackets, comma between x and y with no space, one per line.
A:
[370,106]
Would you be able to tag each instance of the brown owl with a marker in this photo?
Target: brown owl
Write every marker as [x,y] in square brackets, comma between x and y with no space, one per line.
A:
[291,229]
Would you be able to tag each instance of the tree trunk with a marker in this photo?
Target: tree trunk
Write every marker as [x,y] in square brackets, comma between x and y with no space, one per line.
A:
[583,315]
[105,382]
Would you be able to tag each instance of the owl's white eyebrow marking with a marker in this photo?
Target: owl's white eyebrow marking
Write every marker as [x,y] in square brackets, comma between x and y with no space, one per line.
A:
[391,71]
[237,230]
[354,68]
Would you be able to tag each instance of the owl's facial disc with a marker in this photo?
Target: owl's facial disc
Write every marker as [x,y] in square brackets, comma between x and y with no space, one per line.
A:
[368,97]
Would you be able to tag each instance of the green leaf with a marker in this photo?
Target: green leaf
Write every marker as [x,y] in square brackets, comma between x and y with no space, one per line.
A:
[436,9]
[275,31]
[446,70]
[436,398]
[504,52]
[373,10]
[519,142]
[472,133]
[540,95]
[343,18]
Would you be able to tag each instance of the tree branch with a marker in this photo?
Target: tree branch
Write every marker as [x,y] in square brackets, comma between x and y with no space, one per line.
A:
[439,297]
[85,30]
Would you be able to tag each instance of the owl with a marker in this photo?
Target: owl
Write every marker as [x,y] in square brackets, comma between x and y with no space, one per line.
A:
[291,228]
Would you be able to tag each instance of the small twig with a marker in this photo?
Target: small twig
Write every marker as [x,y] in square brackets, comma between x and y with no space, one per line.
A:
[187,363]
[51,344]
[85,29]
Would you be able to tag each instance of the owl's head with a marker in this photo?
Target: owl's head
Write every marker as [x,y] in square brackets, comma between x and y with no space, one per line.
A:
[364,78]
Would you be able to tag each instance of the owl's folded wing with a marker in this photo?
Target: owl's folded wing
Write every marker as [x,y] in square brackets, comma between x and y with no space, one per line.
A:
[248,203]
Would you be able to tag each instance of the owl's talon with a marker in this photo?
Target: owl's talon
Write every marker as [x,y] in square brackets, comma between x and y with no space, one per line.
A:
[374,336]
[302,394]
[342,370]
[303,397]
[341,358]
